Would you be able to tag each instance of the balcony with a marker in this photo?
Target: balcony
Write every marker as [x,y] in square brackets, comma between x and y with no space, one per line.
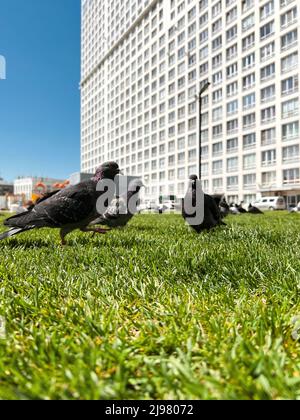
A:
[249,166]
[268,141]
[289,22]
[268,120]
[232,169]
[267,163]
[290,91]
[291,182]
[217,171]
[291,159]
[250,186]
[291,113]
[268,99]
[232,187]
[289,45]
[290,137]
[232,150]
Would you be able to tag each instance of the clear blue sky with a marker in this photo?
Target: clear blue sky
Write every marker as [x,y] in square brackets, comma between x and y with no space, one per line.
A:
[40,100]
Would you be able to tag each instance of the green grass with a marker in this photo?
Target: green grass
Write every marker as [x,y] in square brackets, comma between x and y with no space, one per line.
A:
[153,311]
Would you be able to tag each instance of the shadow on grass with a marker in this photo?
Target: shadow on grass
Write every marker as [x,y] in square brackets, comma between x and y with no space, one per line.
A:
[26,243]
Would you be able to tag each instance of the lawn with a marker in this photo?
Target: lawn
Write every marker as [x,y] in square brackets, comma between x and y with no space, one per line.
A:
[153,312]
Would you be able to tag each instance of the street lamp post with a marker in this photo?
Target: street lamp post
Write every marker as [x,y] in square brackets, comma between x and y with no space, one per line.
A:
[199,98]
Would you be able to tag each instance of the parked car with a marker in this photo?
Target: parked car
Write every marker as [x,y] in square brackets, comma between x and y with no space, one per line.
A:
[270,203]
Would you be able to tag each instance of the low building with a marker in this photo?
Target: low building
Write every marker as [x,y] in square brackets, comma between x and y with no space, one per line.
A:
[78,177]
[6,187]
[29,186]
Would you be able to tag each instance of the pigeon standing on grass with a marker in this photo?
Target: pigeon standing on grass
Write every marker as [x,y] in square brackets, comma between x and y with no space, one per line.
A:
[254,210]
[241,208]
[212,216]
[224,208]
[69,209]
[118,214]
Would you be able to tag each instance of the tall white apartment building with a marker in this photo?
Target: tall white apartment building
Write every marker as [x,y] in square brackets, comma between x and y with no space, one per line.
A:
[144,61]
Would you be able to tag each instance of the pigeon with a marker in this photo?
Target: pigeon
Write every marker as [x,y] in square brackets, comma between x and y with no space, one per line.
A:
[241,208]
[212,216]
[118,215]
[233,209]
[69,209]
[254,210]
[224,208]
[217,198]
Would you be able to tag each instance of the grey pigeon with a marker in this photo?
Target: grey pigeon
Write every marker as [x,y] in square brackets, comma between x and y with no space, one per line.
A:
[241,208]
[224,208]
[212,215]
[69,209]
[118,215]
[254,210]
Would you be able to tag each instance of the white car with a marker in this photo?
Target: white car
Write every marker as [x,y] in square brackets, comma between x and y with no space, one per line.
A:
[270,203]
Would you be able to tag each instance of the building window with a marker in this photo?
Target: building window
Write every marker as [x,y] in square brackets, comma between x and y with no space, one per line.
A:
[290,108]
[249,81]
[249,101]
[249,120]
[217,183]
[268,114]
[248,61]
[232,145]
[232,182]
[232,89]
[217,149]
[249,181]
[289,40]
[231,33]
[217,167]
[268,136]
[268,158]
[291,176]
[267,72]
[232,126]
[267,30]
[249,141]
[248,41]
[268,178]
[267,51]
[267,10]
[290,153]
[248,22]
[290,131]
[289,17]
[290,85]
[289,62]
[249,161]
[232,164]
[267,94]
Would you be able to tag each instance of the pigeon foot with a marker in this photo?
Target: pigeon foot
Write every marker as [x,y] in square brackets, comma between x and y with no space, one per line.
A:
[96,230]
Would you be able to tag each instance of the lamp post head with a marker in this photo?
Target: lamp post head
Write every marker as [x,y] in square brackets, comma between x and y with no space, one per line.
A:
[204,88]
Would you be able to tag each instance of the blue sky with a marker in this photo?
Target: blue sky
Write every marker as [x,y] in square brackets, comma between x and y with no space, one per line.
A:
[40,99]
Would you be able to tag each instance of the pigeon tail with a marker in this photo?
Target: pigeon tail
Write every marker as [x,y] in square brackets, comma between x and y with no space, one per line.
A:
[12,232]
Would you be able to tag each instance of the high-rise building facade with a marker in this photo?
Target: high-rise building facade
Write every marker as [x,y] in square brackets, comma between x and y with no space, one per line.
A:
[144,62]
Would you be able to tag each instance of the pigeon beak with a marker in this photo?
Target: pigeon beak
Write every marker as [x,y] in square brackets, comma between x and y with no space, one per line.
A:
[120,172]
